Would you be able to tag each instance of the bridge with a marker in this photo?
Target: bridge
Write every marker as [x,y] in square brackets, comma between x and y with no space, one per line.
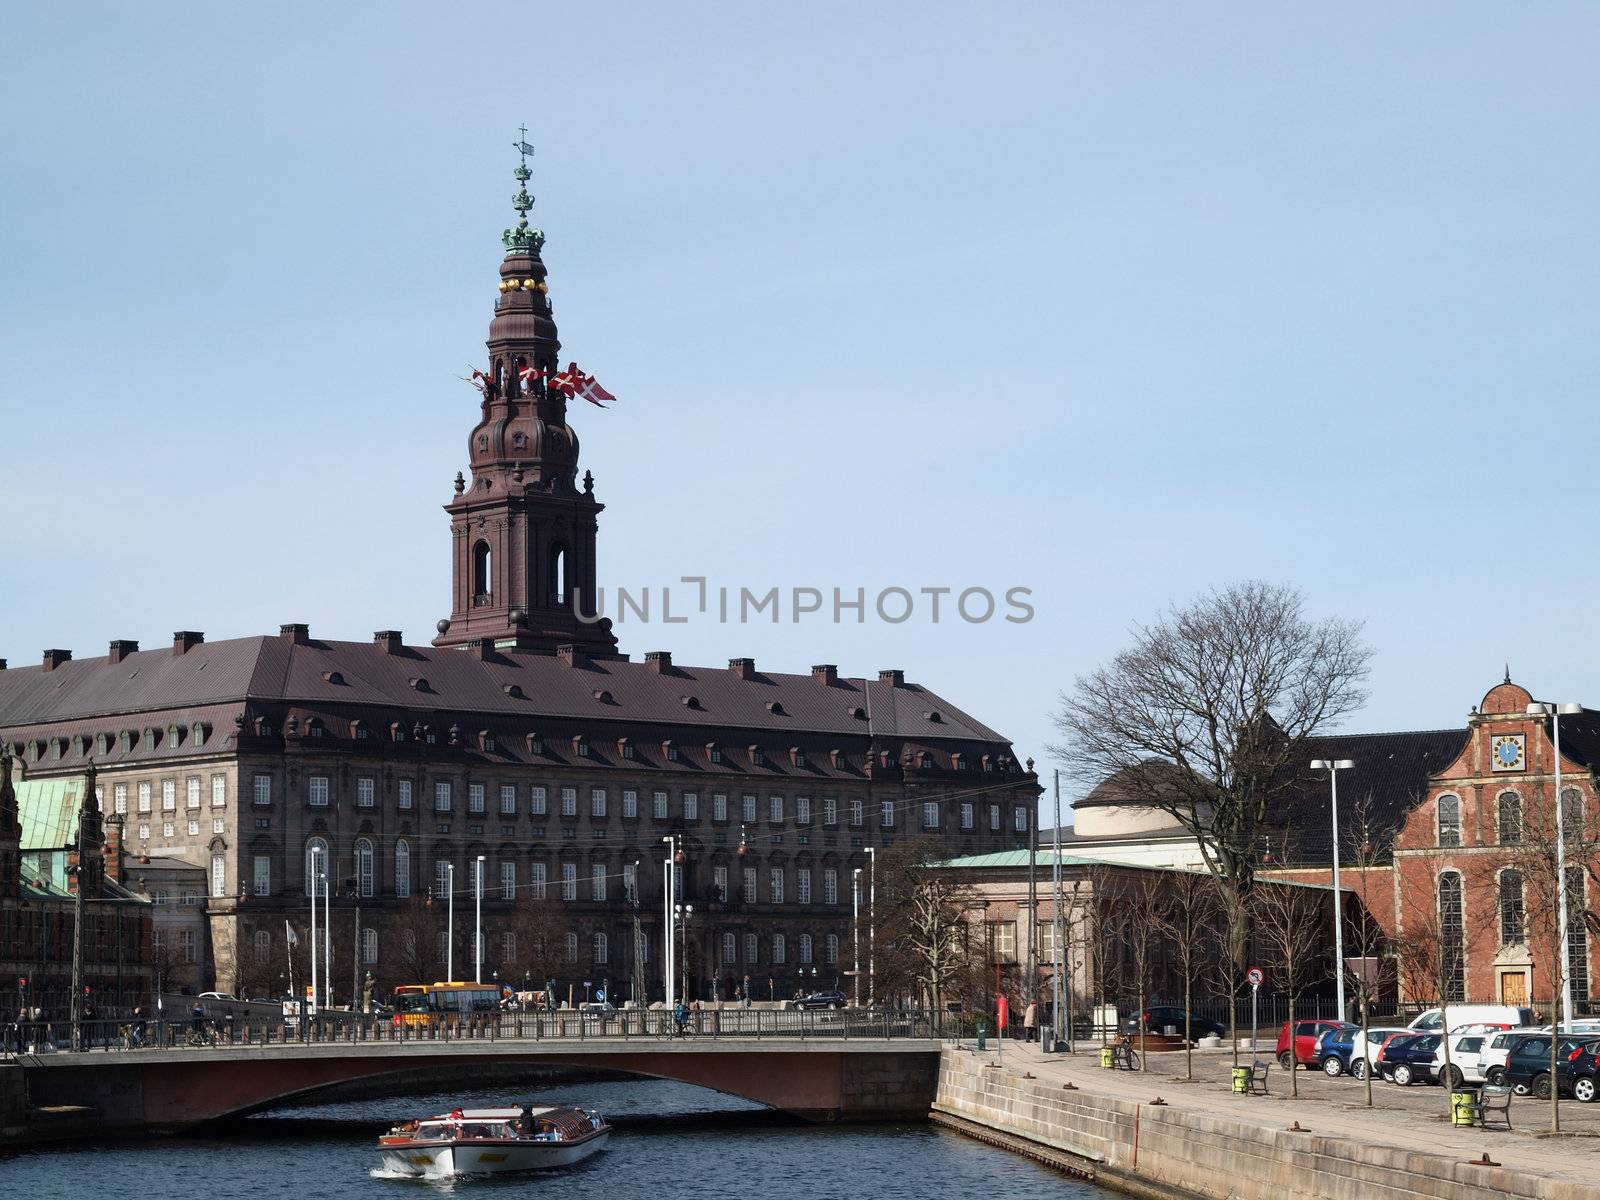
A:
[845,1066]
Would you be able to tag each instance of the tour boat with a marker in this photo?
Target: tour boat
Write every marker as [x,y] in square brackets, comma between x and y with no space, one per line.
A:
[492,1141]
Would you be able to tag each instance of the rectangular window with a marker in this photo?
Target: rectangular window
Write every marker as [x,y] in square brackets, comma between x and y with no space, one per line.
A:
[536,880]
[169,795]
[805,948]
[802,810]
[166,829]
[858,813]
[775,885]
[1019,820]
[262,869]
[747,806]
[780,949]
[475,798]
[508,880]
[719,882]
[660,800]
[569,802]
[194,828]
[886,811]
[1005,941]
[719,806]
[317,791]
[144,794]
[749,885]
[508,799]
[537,803]
[569,881]
[366,792]
[597,881]
[402,797]
[830,811]
[966,815]
[597,802]
[775,809]
[219,791]
[144,830]
[994,818]
[630,805]
[930,814]
[443,875]
[218,825]
[186,945]
[802,886]
[752,949]
[830,886]
[402,869]
[119,798]
[191,792]
[441,796]
[219,875]
[691,806]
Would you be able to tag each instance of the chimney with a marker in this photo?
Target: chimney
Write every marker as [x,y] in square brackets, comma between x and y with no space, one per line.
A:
[571,656]
[826,674]
[744,668]
[2,664]
[299,635]
[892,678]
[390,640]
[658,660]
[185,640]
[111,852]
[482,649]
[54,658]
[121,648]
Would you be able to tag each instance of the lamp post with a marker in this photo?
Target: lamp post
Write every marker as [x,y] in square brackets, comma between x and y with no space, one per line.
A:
[1555,712]
[872,925]
[327,933]
[316,873]
[450,922]
[1333,766]
[855,932]
[669,929]
[477,920]
[682,914]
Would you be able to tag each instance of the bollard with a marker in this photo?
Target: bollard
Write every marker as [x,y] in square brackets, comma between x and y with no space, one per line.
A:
[1241,1080]
[983,1036]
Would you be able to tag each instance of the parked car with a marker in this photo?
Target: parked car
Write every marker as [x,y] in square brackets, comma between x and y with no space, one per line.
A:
[597,1010]
[1355,1061]
[1334,1046]
[1492,1059]
[1504,1015]
[1466,1058]
[1158,1017]
[1528,1065]
[1305,1043]
[829,999]
[231,999]
[1408,1058]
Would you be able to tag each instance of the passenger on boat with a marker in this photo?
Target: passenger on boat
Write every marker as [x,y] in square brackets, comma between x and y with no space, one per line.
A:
[525,1123]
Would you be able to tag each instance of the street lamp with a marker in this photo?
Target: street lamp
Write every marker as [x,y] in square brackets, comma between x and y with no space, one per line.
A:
[872,924]
[683,913]
[669,927]
[1333,766]
[855,931]
[316,874]
[450,922]
[477,921]
[1555,712]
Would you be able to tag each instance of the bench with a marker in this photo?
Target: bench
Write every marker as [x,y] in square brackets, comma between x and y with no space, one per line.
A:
[1258,1077]
[1492,1099]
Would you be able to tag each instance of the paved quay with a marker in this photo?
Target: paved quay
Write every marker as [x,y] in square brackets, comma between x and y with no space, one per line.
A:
[1403,1122]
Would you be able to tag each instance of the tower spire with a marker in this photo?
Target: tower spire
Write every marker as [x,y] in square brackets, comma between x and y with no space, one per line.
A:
[523,239]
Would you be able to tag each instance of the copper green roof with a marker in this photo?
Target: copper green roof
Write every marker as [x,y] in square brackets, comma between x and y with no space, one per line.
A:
[1045,857]
[48,809]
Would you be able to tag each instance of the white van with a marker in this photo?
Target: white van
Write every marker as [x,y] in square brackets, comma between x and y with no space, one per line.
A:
[1475,1014]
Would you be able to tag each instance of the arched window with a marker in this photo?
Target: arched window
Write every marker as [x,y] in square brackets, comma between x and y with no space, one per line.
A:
[831,949]
[369,946]
[558,574]
[602,949]
[1449,820]
[1513,920]
[572,947]
[316,864]
[1452,930]
[1577,935]
[402,868]
[1572,814]
[363,867]
[1510,814]
[482,572]
[263,944]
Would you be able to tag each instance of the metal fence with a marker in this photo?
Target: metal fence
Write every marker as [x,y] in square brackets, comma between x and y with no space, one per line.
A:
[22,1039]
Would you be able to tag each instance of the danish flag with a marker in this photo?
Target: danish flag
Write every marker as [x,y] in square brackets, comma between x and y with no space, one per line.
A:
[574,383]
[530,376]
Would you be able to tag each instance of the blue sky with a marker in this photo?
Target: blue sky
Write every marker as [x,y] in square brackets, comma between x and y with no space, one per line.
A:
[1115,302]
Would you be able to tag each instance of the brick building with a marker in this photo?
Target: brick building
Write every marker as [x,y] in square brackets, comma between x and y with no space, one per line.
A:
[522,738]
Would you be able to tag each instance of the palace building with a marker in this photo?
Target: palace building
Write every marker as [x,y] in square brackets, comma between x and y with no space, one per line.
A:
[520,747]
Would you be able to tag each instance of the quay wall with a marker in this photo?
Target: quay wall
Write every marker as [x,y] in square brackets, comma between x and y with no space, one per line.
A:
[1164,1150]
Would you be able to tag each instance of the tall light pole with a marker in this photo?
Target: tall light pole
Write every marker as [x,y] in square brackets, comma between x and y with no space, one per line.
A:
[1060,996]
[477,921]
[1555,712]
[669,927]
[450,922]
[872,925]
[683,913]
[855,931]
[1333,766]
[316,951]
[327,933]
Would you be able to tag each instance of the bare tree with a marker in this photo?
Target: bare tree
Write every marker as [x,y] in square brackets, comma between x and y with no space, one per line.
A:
[1206,718]
[1100,941]
[1187,910]
[1430,946]
[923,923]
[414,930]
[1289,924]
[1140,901]
[1364,937]
[539,927]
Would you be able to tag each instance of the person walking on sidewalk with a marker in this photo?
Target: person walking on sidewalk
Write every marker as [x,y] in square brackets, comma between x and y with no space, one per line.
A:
[1030,1017]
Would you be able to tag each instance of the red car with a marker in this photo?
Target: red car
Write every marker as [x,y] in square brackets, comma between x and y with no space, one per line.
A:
[1306,1034]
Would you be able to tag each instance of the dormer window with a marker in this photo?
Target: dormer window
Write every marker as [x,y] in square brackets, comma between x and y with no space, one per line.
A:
[625,748]
[580,746]
[397,732]
[757,756]
[486,741]
[797,756]
[315,728]
[198,733]
[836,758]
[925,761]
[713,752]
[358,730]
[535,743]
[958,762]
[669,751]
[986,763]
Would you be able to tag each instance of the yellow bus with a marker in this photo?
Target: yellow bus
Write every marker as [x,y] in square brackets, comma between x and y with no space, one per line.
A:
[444,1003]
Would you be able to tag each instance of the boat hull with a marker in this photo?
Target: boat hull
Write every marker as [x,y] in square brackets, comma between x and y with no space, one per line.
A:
[441,1159]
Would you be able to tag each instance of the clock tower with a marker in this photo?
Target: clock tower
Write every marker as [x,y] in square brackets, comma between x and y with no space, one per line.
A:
[522,529]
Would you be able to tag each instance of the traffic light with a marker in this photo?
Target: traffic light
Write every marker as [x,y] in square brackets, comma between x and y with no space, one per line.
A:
[22,983]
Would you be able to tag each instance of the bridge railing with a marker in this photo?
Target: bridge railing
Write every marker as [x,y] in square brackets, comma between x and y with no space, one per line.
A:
[24,1039]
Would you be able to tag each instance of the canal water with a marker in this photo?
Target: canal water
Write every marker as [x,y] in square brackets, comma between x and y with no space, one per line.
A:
[673,1142]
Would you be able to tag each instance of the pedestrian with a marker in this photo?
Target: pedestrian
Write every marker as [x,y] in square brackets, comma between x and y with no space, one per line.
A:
[1030,1017]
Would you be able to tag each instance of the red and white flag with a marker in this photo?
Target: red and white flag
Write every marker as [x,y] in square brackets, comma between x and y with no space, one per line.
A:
[574,383]
[530,376]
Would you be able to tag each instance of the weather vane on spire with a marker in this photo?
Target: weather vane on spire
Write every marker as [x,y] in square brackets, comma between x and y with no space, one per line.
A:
[523,239]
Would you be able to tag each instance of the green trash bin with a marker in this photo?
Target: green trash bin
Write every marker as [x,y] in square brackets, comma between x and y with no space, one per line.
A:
[1241,1080]
[1106,1058]
[1461,1102]
[983,1036]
